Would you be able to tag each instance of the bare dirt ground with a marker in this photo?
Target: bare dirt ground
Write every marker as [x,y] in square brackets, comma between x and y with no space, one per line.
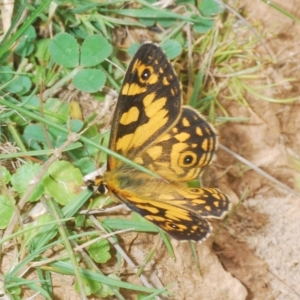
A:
[262,248]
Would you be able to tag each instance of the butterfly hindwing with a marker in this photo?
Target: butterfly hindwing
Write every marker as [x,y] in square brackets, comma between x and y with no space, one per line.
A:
[178,210]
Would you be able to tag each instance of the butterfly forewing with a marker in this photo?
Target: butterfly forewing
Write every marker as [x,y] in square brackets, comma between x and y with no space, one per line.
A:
[149,103]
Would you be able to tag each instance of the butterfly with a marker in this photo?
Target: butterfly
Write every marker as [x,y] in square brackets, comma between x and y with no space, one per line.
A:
[152,128]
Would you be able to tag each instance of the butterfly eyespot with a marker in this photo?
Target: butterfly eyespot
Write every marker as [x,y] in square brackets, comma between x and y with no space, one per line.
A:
[173,226]
[188,159]
[146,74]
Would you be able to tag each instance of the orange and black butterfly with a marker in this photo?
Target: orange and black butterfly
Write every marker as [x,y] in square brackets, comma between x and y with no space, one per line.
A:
[152,128]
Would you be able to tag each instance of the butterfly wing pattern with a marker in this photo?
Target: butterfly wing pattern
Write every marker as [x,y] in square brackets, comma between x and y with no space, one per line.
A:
[149,103]
[153,128]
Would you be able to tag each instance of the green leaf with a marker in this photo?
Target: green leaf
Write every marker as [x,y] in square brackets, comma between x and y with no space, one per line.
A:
[6,73]
[59,110]
[75,125]
[86,165]
[203,25]
[166,23]
[34,136]
[5,176]
[20,84]
[198,84]
[40,235]
[89,80]
[138,223]
[80,220]
[67,268]
[63,182]
[15,292]
[6,211]
[185,2]
[99,251]
[90,151]
[57,136]
[42,50]
[172,48]
[22,178]
[64,50]
[106,290]
[72,208]
[147,22]
[150,13]
[210,8]
[31,100]
[90,286]
[26,45]
[94,50]
[100,200]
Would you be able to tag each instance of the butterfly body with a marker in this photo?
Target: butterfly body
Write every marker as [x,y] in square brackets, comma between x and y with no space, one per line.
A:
[153,129]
